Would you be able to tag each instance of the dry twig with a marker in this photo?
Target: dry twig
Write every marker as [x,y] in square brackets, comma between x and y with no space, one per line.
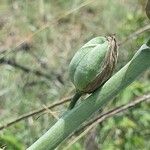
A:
[35,112]
[135,34]
[28,70]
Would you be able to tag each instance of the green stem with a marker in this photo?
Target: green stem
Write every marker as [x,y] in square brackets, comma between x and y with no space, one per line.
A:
[75,117]
[74,100]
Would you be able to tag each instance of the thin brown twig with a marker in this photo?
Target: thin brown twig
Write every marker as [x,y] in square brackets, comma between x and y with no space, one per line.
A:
[99,119]
[48,110]
[26,69]
[117,110]
[135,34]
[35,112]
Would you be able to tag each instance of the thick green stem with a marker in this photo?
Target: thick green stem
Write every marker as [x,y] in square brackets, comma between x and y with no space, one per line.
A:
[75,117]
[74,100]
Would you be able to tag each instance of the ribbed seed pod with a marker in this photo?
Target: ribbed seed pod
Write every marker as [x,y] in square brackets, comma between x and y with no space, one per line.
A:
[93,64]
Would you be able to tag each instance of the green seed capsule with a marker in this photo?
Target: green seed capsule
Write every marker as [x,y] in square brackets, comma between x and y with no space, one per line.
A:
[93,64]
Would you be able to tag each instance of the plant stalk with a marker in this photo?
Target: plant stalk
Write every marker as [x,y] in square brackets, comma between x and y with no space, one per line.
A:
[74,100]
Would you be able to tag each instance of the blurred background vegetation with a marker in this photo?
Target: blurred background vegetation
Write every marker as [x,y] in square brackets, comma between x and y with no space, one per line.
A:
[44,35]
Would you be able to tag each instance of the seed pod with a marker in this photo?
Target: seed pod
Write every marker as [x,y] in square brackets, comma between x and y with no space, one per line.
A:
[93,64]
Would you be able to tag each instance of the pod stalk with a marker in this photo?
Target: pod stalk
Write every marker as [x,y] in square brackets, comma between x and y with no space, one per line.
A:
[74,100]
